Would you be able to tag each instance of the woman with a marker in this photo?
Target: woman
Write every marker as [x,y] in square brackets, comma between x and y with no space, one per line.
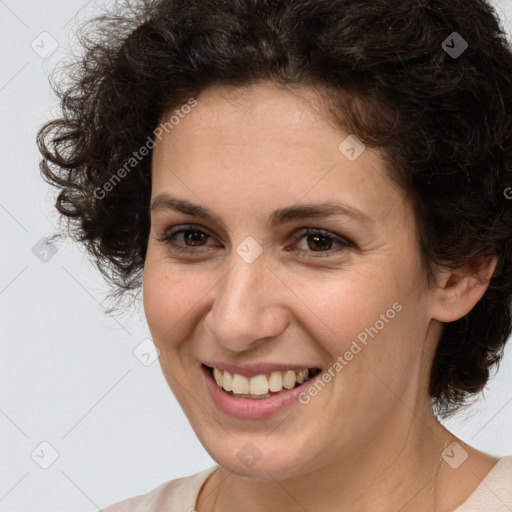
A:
[312,197]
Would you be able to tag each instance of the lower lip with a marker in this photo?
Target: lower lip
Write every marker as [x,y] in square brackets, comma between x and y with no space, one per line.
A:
[247,408]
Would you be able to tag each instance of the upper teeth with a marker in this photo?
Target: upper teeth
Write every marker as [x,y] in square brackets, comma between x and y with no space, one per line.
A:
[259,384]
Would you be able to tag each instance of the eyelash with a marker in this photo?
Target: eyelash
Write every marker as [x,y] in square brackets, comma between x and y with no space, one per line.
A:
[168,237]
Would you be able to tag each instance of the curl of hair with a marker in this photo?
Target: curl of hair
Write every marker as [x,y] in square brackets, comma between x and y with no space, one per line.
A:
[444,125]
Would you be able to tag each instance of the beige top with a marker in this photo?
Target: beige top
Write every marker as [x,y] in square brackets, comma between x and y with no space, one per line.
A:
[494,494]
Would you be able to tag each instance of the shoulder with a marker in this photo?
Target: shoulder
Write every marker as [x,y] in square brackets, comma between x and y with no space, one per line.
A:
[494,494]
[178,494]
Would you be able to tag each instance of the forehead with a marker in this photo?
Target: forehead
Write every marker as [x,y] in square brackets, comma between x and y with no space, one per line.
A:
[268,144]
[252,115]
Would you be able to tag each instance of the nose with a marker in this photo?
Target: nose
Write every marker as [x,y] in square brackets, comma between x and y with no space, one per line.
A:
[248,306]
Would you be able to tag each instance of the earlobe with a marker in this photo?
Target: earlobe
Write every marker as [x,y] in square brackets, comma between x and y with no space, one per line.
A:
[458,290]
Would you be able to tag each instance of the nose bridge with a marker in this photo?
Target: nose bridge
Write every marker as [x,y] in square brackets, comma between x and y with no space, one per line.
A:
[245,306]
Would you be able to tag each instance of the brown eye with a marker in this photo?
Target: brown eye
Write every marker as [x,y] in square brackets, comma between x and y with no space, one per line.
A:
[318,243]
[321,242]
[185,239]
[193,238]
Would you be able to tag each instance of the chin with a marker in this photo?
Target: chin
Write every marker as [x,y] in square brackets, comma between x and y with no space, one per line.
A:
[264,469]
[259,457]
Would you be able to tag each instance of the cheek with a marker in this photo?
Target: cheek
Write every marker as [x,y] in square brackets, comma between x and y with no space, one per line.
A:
[381,359]
[341,307]
[369,320]
[165,300]
[172,300]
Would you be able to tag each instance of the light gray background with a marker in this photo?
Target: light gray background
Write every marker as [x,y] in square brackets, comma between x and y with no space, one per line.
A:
[68,375]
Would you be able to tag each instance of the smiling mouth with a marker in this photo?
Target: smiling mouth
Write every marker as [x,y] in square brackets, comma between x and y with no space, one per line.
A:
[261,386]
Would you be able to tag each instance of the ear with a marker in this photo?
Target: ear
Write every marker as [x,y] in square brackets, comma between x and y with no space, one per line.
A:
[459,289]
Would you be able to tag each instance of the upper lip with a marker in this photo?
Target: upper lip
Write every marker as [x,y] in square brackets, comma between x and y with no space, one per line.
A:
[250,370]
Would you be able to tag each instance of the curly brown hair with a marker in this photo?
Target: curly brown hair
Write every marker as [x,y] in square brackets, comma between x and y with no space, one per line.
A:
[443,121]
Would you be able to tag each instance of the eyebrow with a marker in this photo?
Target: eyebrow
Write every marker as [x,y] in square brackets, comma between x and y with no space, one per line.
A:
[280,216]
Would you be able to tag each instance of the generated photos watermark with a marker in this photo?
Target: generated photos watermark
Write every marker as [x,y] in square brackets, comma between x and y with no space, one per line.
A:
[144,151]
[344,360]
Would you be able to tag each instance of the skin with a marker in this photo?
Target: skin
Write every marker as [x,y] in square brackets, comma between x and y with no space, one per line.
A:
[369,440]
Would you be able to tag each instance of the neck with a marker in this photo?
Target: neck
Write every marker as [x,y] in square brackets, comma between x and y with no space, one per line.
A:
[396,470]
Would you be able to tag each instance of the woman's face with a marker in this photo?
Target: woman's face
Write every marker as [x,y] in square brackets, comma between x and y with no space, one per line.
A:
[255,283]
